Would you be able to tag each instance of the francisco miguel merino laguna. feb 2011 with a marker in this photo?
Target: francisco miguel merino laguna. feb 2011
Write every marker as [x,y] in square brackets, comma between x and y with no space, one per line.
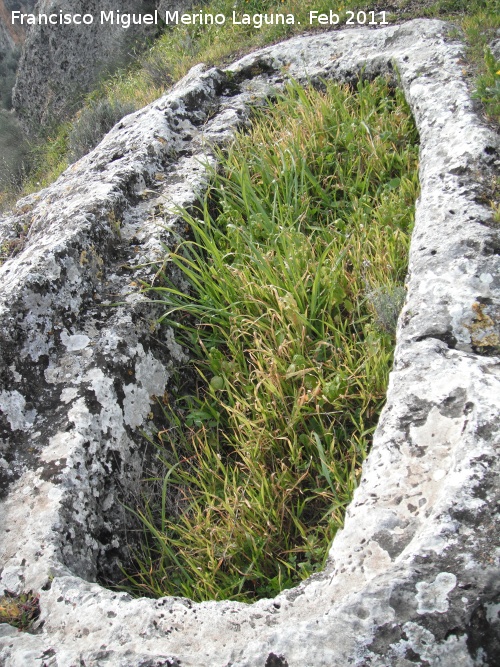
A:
[125,20]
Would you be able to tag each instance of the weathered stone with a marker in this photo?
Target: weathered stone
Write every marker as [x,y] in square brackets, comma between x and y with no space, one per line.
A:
[412,579]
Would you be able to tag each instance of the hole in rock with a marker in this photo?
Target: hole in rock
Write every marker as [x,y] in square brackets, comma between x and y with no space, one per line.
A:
[295,262]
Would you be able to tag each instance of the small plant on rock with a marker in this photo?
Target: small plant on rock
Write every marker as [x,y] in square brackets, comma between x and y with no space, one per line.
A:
[21,611]
[387,303]
[488,85]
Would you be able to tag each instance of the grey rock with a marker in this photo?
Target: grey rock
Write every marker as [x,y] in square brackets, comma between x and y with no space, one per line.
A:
[12,35]
[7,43]
[60,63]
[495,49]
[11,39]
[413,578]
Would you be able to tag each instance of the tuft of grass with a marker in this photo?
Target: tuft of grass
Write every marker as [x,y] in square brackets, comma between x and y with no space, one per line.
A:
[387,303]
[480,27]
[21,611]
[488,85]
[311,210]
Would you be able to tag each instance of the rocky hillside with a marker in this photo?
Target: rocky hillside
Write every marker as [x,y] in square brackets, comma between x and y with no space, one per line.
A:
[61,62]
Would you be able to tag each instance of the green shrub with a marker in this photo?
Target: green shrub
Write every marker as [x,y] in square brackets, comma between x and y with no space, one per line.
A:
[93,123]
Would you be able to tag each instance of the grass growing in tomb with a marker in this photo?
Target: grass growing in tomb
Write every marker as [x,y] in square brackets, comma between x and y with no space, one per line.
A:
[306,224]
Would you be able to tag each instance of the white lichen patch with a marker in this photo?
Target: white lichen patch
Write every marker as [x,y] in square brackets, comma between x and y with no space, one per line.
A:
[174,348]
[136,404]
[493,613]
[13,405]
[450,653]
[68,394]
[80,415]
[75,342]
[110,416]
[58,447]
[148,381]
[150,373]
[433,597]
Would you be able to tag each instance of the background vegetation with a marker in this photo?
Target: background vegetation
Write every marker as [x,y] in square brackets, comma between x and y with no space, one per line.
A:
[14,151]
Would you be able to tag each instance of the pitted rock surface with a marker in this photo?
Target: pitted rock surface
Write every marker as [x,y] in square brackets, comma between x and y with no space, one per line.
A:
[413,578]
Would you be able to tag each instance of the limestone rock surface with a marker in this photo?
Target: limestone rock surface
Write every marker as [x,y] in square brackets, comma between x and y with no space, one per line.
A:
[413,578]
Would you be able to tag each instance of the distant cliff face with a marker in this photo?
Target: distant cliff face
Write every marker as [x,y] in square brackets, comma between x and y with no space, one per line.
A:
[12,35]
[11,39]
[61,62]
